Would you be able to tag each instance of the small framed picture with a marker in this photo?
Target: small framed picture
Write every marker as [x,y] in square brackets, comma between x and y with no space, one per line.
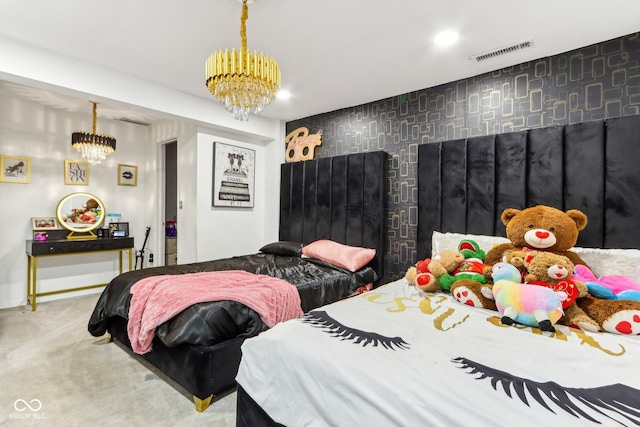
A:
[15,169]
[76,172]
[119,229]
[128,175]
[43,223]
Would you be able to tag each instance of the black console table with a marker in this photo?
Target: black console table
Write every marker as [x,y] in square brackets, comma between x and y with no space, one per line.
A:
[47,248]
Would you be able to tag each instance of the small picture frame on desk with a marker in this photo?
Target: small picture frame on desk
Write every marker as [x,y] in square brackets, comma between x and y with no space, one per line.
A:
[119,229]
[40,223]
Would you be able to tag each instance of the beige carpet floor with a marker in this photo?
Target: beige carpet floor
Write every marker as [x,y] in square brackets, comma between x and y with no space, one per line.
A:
[54,373]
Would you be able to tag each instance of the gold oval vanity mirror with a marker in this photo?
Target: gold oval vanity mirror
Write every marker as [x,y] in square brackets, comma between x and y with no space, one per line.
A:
[80,213]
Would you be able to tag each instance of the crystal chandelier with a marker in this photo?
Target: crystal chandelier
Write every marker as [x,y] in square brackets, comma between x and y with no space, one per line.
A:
[93,147]
[244,82]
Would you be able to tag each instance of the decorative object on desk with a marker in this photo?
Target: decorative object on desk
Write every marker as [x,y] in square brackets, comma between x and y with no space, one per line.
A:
[40,223]
[93,147]
[244,82]
[111,216]
[119,229]
[233,176]
[39,236]
[76,173]
[80,213]
[128,175]
[170,229]
[301,145]
[15,169]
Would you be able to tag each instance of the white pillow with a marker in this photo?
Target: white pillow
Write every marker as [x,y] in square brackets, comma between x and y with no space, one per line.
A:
[442,241]
[611,262]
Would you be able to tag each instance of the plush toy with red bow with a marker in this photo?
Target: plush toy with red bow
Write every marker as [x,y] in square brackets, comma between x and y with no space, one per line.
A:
[554,271]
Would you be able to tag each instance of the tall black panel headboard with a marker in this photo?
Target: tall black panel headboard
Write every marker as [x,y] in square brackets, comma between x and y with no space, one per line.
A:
[464,185]
[340,198]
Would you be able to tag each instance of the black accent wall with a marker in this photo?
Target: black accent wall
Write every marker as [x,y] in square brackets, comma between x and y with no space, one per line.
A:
[595,82]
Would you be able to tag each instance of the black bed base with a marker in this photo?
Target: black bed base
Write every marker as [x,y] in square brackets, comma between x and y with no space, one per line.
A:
[250,414]
[186,365]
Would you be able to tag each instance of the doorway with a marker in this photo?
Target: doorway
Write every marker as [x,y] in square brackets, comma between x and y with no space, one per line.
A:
[171,203]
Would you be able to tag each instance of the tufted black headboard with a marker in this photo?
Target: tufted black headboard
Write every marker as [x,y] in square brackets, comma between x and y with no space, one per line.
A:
[339,198]
[464,185]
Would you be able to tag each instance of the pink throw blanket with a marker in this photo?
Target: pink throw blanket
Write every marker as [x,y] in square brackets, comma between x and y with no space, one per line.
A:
[154,300]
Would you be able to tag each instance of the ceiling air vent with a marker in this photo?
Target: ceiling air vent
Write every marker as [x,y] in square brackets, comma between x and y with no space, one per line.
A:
[135,122]
[501,51]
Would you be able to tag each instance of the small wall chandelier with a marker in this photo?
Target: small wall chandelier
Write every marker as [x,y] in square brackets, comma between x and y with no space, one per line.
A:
[244,82]
[93,147]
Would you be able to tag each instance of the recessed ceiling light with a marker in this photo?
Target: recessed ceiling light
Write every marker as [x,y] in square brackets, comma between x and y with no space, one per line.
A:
[446,38]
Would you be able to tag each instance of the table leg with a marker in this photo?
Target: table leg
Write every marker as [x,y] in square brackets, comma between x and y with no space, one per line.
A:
[28,279]
[131,259]
[33,284]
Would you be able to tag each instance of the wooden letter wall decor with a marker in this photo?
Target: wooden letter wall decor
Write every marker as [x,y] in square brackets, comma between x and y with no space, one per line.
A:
[301,145]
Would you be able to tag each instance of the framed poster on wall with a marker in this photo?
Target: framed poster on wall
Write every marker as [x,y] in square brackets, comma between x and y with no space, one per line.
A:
[128,175]
[233,176]
[76,173]
[15,169]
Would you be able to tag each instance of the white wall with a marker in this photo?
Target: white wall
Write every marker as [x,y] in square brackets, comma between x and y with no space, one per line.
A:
[226,231]
[43,134]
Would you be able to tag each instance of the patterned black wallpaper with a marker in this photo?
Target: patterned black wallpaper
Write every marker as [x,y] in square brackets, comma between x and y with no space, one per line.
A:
[595,82]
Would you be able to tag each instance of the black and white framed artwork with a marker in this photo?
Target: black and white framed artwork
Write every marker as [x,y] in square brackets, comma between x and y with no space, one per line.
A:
[233,176]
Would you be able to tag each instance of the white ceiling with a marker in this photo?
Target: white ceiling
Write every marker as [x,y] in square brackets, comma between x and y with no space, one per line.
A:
[332,53]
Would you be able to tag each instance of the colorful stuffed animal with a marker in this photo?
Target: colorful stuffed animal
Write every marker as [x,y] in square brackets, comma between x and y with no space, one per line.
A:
[467,287]
[535,306]
[552,230]
[554,271]
[426,272]
[608,286]
[471,268]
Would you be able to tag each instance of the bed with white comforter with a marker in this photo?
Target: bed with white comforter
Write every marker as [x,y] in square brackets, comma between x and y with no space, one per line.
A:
[396,356]
[393,357]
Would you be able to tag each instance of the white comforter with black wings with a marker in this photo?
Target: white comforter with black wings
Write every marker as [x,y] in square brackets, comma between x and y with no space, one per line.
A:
[393,357]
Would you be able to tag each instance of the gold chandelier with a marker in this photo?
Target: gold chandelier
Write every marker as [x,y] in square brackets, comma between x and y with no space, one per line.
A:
[93,147]
[244,82]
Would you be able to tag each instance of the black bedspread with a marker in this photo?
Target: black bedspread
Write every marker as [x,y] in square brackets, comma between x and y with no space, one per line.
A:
[210,323]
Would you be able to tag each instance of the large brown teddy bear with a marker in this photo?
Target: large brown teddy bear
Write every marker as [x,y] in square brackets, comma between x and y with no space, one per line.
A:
[549,229]
[543,228]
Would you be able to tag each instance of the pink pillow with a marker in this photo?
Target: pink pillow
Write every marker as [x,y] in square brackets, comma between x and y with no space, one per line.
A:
[350,258]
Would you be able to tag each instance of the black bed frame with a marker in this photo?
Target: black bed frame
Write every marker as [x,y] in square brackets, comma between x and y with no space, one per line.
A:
[464,185]
[340,198]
